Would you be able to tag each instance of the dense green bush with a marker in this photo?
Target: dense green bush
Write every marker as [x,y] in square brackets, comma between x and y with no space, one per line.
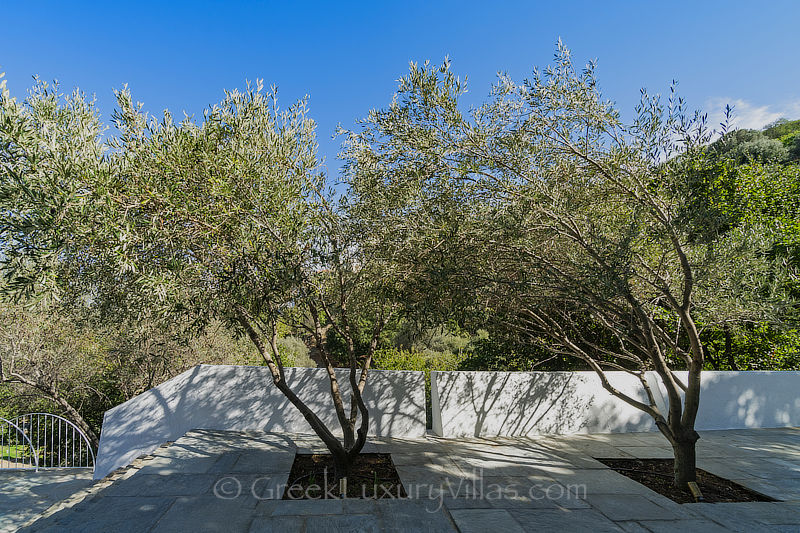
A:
[399,359]
[748,146]
[754,347]
[6,396]
[510,355]
[788,133]
[436,340]
[782,128]
[294,352]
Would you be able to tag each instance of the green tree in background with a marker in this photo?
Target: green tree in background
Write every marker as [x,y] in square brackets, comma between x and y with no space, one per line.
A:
[44,353]
[728,197]
[788,133]
[748,146]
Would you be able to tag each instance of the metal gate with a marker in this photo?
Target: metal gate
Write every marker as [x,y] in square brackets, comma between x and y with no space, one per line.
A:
[43,440]
[16,448]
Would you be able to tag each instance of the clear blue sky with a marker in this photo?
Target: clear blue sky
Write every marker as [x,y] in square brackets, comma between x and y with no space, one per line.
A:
[347,55]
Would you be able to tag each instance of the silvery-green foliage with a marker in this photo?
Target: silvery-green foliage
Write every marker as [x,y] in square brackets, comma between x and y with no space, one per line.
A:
[51,149]
[224,216]
[224,207]
[558,220]
[545,180]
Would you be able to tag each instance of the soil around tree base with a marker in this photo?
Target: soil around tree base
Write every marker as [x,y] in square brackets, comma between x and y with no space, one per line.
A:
[373,476]
[657,475]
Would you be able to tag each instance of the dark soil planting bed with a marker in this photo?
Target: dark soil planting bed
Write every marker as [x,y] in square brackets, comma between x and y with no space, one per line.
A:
[657,475]
[373,476]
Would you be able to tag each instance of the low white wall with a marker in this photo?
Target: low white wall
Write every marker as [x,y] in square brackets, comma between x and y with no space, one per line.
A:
[472,404]
[478,404]
[747,399]
[533,403]
[242,398]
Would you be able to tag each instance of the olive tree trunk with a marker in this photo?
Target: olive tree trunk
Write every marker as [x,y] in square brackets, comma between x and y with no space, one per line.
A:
[684,451]
[344,453]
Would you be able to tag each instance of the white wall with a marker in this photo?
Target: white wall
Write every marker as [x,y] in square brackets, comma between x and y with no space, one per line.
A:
[241,398]
[531,403]
[748,399]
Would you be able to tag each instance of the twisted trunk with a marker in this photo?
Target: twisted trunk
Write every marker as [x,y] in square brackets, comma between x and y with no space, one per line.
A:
[685,458]
[344,453]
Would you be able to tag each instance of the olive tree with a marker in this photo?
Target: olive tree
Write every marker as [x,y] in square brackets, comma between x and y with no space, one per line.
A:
[563,222]
[224,217]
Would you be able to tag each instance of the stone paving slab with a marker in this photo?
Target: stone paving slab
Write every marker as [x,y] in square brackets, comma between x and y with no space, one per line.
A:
[102,515]
[482,520]
[206,513]
[606,481]
[162,485]
[421,482]
[282,524]
[647,452]
[777,487]
[227,481]
[684,526]
[506,492]
[342,524]
[165,465]
[423,516]
[628,507]
[573,520]
[26,494]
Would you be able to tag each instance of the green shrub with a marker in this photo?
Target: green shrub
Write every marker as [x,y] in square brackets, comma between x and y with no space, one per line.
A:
[781,128]
[749,146]
[434,340]
[507,356]
[6,395]
[399,359]
[753,347]
[294,352]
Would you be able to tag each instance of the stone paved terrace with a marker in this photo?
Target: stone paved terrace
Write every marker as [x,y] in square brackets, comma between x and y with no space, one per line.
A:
[501,484]
[26,494]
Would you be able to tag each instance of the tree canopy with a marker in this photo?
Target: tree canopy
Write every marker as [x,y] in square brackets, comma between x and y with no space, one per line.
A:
[537,228]
[226,218]
[571,228]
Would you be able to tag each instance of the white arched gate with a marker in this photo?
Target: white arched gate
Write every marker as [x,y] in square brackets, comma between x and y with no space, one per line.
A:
[16,447]
[43,440]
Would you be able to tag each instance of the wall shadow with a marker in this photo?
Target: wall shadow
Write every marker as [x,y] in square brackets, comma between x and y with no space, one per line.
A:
[243,398]
[479,404]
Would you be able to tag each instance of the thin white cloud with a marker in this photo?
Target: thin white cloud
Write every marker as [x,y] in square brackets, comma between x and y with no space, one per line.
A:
[747,115]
